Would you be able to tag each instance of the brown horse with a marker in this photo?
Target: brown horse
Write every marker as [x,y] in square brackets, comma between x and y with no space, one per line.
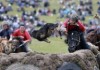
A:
[13,46]
[94,37]
[5,46]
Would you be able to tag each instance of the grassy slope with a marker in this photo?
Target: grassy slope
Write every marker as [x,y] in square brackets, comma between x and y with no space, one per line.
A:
[57,45]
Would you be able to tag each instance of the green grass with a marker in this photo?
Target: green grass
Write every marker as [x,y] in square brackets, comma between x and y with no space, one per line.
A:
[57,45]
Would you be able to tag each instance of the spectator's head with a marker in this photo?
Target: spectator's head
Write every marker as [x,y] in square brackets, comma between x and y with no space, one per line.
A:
[5,25]
[22,28]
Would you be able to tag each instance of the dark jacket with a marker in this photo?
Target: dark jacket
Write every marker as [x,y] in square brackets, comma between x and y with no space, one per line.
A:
[5,33]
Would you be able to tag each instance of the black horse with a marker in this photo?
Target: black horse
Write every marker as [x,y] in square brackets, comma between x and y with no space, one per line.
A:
[74,40]
[44,32]
[17,45]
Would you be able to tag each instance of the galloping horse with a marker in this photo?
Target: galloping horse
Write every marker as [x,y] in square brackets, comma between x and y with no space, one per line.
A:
[94,37]
[44,32]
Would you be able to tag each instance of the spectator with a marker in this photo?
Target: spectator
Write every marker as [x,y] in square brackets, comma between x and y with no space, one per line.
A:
[46,3]
[5,32]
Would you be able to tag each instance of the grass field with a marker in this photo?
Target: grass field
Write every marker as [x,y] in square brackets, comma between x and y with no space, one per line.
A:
[57,45]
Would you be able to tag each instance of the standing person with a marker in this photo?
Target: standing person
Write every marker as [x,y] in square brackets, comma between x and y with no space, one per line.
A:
[25,35]
[6,31]
[71,24]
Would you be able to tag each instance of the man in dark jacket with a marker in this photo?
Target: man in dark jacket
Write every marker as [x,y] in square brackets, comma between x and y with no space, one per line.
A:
[5,32]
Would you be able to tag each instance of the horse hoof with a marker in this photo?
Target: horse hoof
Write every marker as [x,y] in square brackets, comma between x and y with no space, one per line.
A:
[49,42]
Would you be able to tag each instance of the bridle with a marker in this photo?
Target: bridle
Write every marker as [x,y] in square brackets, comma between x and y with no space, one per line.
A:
[74,39]
[19,46]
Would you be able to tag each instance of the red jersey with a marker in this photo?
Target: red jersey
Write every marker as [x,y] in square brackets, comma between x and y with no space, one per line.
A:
[71,27]
[25,34]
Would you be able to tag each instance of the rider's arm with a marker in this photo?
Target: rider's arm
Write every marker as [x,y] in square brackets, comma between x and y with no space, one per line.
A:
[28,37]
[13,35]
[66,24]
[10,38]
[81,26]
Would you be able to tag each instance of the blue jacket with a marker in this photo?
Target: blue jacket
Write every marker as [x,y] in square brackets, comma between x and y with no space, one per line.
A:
[5,33]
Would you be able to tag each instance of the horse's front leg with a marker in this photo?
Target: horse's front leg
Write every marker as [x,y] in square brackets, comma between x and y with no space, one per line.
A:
[46,40]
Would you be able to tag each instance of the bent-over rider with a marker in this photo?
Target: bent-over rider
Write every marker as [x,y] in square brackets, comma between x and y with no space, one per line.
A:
[71,24]
[21,32]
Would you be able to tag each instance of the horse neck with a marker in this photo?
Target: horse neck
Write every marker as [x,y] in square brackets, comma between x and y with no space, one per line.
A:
[92,38]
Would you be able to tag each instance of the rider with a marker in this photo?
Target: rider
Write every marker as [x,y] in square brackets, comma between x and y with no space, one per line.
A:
[6,31]
[21,32]
[73,22]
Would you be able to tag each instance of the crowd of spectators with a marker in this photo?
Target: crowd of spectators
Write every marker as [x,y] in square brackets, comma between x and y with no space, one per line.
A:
[5,9]
[31,18]
[83,9]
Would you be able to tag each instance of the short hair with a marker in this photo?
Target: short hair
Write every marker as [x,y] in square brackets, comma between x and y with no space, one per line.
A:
[74,18]
[5,23]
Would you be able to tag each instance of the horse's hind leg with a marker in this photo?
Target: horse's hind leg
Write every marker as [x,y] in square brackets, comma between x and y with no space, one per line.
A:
[60,33]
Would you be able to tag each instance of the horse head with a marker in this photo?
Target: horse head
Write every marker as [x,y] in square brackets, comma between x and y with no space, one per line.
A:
[4,45]
[73,41]
[51,28]
[16,42]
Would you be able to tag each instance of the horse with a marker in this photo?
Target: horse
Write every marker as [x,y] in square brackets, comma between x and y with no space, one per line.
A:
[5,46]
[44,32]
[94,37]
[73,40]
[17,44]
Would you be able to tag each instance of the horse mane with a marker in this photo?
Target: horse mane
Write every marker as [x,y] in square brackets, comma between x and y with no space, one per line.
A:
[91,36]
[94,32]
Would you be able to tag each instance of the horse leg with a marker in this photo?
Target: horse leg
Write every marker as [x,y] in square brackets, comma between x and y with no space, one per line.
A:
[46,40]
[60,33]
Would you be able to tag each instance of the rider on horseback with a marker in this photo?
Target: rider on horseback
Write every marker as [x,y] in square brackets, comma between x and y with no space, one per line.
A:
[71,24]
[21,32]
